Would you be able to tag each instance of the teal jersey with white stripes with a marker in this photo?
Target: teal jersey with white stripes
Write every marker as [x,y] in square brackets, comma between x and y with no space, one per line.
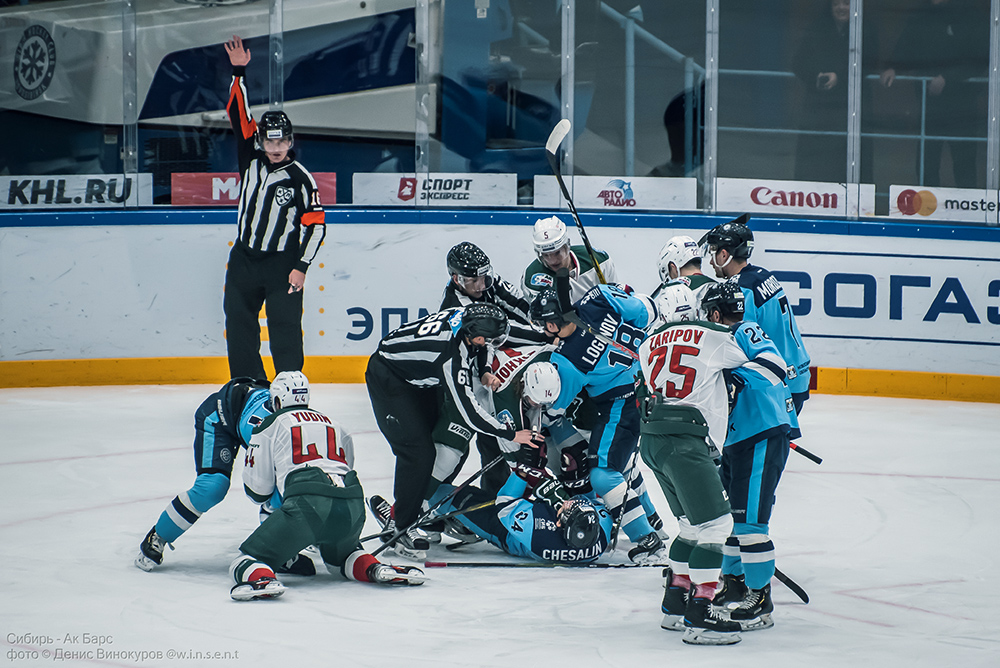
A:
[760,407]
[767,305]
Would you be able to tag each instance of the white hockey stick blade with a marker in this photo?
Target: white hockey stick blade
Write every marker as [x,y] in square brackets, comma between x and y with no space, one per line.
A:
[559,133]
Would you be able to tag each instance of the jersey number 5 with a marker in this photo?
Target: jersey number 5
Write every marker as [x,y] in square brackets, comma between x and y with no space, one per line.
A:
[658,358]
[301,455]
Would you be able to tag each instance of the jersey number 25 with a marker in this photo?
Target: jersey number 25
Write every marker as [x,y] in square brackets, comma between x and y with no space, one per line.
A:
[658,357]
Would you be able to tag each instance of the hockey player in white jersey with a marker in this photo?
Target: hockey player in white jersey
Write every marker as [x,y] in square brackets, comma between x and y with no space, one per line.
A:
[680,260]
[683,405]
[308,459]
[551,241]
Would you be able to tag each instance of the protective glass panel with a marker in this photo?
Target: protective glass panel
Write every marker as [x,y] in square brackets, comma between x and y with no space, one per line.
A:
[639,109]
[928,119]
[62,122]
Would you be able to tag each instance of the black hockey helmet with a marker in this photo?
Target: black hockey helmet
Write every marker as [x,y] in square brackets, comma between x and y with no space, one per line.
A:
[468,259]
[274,125]
[580,523]
[546,308]
[734,236]
[725,297]
[486,320]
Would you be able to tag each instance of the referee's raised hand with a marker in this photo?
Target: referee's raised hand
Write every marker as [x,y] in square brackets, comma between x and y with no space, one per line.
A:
[237,54]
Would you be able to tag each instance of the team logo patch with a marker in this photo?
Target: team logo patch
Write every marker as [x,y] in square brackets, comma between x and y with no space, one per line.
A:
[505,418]
[34,62]
[541,280]
[225,455]
[254,420]
[283,195]
[460,431]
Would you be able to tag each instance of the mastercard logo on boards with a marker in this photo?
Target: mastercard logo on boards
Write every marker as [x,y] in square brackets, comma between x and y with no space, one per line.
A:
[911,202]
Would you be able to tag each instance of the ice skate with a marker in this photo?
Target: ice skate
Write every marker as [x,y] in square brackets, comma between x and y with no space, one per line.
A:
[731,593]
[460,532]
[754,611]
[388,574]
[412,545]
[704,625]
[300,564]
[674,603]
[150,551]
[649,550]
[261,588]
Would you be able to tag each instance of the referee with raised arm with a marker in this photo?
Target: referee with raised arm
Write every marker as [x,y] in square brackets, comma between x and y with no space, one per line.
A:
[281,227]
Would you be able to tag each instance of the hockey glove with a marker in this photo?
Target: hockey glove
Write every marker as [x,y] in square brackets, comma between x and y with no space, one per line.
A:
[553,493]
[575,469]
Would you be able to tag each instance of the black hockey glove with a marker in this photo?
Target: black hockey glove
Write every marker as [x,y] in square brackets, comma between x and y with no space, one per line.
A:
[529,463]
[575,468]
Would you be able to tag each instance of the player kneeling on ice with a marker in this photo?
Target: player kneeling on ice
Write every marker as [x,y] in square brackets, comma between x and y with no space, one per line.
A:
[308,459]
[534,515]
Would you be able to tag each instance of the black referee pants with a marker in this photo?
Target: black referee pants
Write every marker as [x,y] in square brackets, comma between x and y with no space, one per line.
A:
[253,278]
[405,415]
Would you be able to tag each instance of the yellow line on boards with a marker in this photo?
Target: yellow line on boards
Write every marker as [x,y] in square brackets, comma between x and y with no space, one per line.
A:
[351,369]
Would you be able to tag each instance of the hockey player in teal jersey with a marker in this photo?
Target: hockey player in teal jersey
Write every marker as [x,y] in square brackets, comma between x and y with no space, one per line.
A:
[754,456]
[606,372]
[223,423]
[728,247]
[542,522]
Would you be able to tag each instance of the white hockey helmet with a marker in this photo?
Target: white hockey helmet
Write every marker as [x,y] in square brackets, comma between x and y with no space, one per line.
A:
[289,388]
[549,235]
[677,303]
[680,250]
[541,383]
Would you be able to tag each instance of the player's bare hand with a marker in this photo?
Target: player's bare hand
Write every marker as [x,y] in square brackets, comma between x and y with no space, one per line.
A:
[523,436]
[491,381]
[296,281]
[237,54]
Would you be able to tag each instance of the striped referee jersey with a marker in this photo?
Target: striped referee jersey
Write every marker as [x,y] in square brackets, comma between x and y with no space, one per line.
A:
[507,296]
[279,207]
[430,353]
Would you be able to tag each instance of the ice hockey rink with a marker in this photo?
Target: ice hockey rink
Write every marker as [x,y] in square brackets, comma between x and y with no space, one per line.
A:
[894,537]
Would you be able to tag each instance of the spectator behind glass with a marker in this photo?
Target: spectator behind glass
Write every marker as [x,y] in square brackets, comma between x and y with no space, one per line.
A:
[948,42]
[821,66]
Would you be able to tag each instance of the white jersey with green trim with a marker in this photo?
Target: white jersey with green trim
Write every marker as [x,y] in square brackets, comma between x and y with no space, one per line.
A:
[289,440]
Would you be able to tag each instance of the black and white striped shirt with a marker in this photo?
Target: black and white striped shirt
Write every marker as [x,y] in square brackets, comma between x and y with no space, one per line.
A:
[430,353]
[507,296]
[279,207]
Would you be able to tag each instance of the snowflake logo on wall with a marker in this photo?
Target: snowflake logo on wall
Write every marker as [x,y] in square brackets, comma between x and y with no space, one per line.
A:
[34,62]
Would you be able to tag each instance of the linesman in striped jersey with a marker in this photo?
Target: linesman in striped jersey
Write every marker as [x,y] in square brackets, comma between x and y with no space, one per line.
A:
[280,229]
[415,369]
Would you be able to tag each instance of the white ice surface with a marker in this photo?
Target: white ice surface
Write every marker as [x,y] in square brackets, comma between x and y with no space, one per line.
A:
[895,537]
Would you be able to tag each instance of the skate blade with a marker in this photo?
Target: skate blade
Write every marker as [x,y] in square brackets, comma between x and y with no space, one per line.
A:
[246,592]
[145,563]
[407,553]
[757,623]
[407,580]
[672,623]
[706,637]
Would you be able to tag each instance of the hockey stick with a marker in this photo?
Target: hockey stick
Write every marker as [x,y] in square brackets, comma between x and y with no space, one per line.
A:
[617,527]
[530,564]
[562,291]
[430,511]
[431,520]
[556,137]
[791,584]
[805,453]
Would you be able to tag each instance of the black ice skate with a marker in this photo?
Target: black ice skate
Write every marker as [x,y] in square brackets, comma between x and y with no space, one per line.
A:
[674,604]
[413,545]
[461,533]
[704,625]
[396,575]
[754,611]
[649,550]
[261,588]
[151,551]
[731,593]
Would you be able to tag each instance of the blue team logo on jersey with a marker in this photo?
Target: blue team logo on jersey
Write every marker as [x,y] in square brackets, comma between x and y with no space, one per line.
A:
[505,418]
[540,280]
